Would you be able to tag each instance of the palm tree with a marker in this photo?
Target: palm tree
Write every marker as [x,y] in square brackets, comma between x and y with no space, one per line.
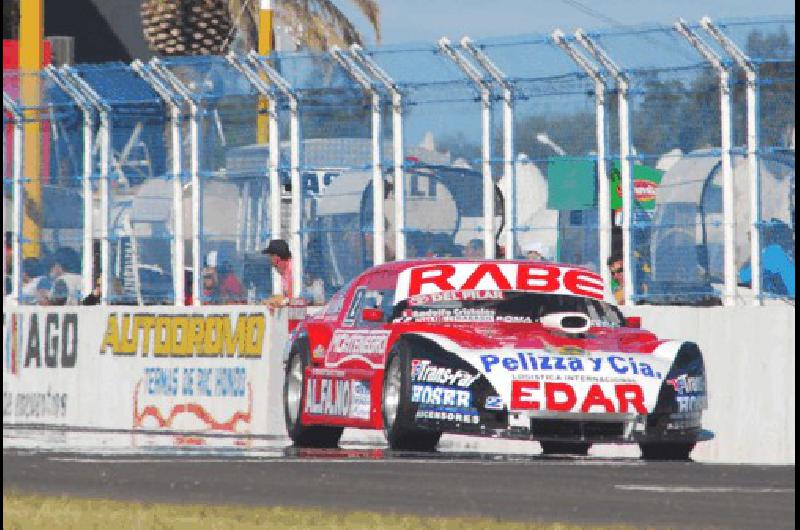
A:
[203,27]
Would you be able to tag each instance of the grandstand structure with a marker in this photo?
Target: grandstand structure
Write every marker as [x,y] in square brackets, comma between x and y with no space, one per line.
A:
[672,146]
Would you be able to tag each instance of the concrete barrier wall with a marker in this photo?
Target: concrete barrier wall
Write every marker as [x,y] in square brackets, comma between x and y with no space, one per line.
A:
[750,361]
[212,369]
[220,369]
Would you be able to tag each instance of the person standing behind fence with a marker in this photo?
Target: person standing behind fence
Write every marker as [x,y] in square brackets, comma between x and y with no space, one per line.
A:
[281,259]
[616,267]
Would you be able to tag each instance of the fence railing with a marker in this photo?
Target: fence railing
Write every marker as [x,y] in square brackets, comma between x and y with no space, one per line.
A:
[664,153]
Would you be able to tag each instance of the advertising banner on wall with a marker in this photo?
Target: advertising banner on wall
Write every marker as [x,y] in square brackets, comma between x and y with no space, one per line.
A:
[210,370]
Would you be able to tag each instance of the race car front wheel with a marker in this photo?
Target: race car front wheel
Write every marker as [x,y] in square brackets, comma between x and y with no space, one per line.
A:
[396,407]
[293,399]
[666,451]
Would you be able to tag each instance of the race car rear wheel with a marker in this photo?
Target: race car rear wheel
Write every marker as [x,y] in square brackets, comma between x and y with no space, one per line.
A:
[293,400]
[396,408]
[666,451]
[565,448]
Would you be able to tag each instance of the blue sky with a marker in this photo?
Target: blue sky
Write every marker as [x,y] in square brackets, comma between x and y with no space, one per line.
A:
[406,21]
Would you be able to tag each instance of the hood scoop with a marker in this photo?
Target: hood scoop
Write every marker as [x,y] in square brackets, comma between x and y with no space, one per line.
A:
[568,322]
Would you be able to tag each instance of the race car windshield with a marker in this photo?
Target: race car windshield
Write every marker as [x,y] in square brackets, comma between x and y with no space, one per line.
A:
[502,306]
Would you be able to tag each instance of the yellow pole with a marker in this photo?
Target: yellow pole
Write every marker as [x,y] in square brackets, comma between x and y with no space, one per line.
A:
[266,43]
[31,56]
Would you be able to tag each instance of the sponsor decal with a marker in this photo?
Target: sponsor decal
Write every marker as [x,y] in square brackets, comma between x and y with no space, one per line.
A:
[423,371]
[318,352]
[532,277]
[564,397]
[454,415]
[40,340]
[347,398]
[690,392]
[494,403]
[33,405]
[440,396]
[152,415]
[533,362]
[366,345]
[145,335]
[449,296]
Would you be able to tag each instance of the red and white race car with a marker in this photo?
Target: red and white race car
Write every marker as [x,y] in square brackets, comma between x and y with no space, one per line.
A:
[514,349]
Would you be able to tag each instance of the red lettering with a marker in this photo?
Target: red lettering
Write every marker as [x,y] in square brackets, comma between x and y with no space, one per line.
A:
[595,397]
[537,277]
[522,395]
[584,283]
[500,281]
[630,394]
[437,275]
[552,390]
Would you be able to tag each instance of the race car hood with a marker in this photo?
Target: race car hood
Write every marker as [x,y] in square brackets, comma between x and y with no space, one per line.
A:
[615,372]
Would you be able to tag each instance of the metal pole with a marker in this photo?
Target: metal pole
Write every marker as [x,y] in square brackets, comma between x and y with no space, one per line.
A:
[726,143]
[509,168]
[87,269]
[626,162]
[296,242]
[751,70]
[489,241]
[177,170]
[603,188]
[17,191]
[194,174]
[397,146]
[378,229]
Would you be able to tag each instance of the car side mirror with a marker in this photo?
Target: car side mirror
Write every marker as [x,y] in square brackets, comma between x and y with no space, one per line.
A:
[372,315]
[633,322]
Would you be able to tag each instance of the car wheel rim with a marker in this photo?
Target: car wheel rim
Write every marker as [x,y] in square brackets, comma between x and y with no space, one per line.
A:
[294,388]
[391,393]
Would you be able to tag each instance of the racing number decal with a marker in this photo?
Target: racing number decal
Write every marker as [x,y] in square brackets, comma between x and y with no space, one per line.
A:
[355,307]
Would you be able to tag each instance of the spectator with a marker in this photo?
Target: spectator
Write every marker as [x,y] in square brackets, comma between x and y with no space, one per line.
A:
[211,291]
[474,249]
[281,259]
[229,288]
[777,261]
[96,296]
[536,251]
[616,267]
[65,274]
[35,286]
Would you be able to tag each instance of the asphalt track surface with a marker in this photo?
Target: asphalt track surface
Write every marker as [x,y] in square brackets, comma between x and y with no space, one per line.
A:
[597,491]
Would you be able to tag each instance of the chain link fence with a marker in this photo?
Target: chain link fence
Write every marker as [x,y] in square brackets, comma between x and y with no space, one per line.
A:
[662,153]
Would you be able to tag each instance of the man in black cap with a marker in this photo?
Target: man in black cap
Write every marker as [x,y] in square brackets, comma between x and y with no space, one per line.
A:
[280,258]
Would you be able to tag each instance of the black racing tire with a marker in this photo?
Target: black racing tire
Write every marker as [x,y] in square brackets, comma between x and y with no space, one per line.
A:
[565,448]
[397,410]
[667,451]
[294,400]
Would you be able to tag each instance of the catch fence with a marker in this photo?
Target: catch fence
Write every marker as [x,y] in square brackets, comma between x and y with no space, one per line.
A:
[666,151]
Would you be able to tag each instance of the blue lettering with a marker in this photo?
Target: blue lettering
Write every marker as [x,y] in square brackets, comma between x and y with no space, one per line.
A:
[620,369]
[545,360]
[188,381]
[522,362]
[489,361]
[576,365]
[510,364]
[646,370]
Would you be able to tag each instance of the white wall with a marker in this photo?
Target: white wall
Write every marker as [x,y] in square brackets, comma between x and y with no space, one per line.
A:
[750,363]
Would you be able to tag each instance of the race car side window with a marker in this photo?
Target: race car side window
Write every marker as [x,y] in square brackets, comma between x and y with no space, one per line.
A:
[376,299]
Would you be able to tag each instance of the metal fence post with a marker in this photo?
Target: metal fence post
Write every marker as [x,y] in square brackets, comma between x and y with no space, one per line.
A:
[726,143]
[296,243]
[104,137]
[18,204]
[194,174]
[87,269]
[177,172]
[603,187]
[509,169]
[626,163]
[397,146]
[361,78]
[489,242]
[751,71]
[268,92]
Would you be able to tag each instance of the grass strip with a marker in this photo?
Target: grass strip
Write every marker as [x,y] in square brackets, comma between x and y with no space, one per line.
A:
[36,512]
